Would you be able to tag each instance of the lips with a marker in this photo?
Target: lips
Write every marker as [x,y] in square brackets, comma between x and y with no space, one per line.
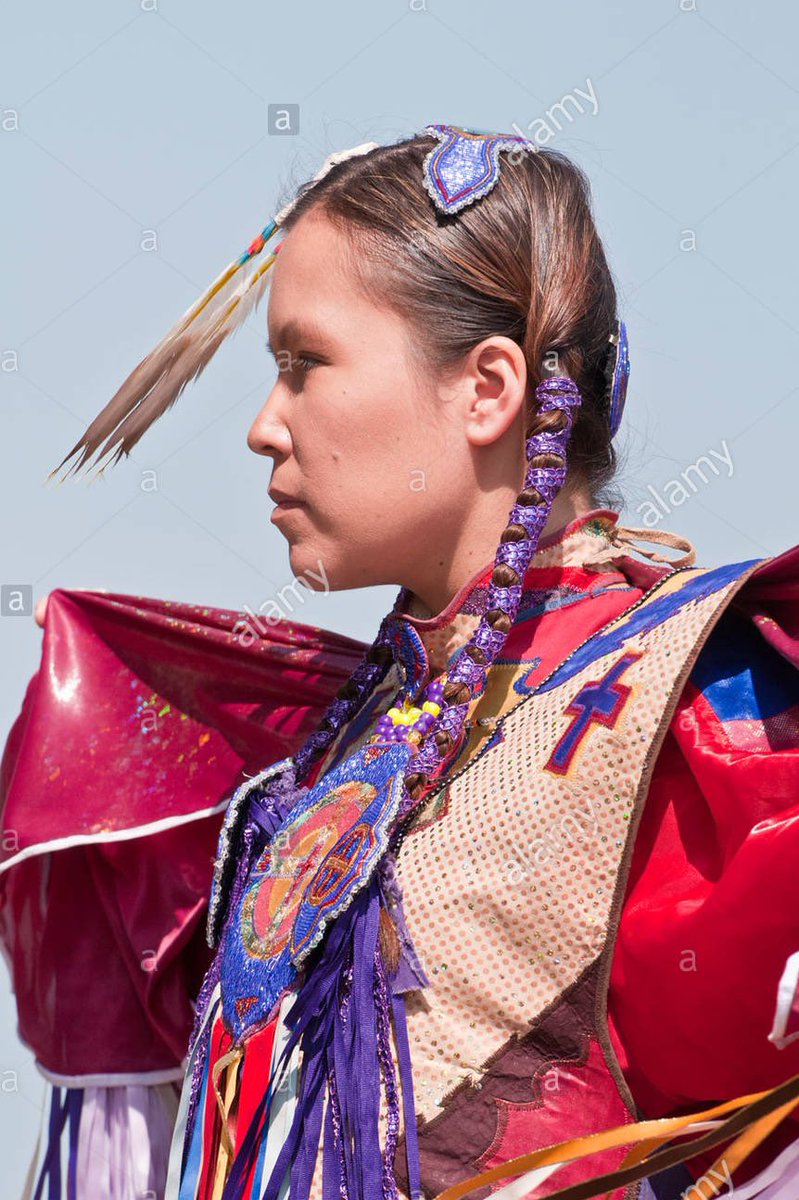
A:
[283,498]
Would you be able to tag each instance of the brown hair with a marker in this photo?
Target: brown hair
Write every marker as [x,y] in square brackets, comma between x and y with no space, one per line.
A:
[525,261]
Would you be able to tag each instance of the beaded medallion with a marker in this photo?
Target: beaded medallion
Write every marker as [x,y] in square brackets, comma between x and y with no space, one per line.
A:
[317,861]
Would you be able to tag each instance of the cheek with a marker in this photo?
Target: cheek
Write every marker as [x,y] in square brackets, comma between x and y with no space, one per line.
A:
[361,453]
[368,447]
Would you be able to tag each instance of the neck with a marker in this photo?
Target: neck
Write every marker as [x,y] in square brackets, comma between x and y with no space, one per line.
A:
[439,578]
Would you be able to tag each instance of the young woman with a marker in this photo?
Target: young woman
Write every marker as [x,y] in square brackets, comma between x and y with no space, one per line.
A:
[532,877]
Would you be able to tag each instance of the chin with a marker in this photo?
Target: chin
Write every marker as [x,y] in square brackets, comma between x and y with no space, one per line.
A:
[309,564]
[330,564]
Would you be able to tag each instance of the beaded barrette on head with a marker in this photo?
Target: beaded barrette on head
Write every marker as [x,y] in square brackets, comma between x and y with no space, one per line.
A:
[464,167]
[459,171]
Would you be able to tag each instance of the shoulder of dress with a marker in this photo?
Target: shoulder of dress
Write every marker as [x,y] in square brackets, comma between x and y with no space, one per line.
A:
[777,570]
[742,692]
[761,621]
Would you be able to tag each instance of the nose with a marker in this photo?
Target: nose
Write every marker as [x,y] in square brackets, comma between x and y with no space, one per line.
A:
[269,433]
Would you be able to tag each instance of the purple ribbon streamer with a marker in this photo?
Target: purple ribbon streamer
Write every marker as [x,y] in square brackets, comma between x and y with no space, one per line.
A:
[339,1035]
[75,1103]
[51,1166]
[408,1105]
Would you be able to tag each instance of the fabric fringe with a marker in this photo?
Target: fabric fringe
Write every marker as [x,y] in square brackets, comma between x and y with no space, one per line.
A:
[339,1023]
[103,1143]
[624,538]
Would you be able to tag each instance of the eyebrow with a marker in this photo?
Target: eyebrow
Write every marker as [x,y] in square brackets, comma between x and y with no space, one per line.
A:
[295,330]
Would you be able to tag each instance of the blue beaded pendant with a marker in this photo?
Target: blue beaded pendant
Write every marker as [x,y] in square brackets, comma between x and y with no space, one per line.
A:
[316,862]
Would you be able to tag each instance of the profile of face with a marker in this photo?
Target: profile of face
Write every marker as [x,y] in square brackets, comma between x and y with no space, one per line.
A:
[384,459]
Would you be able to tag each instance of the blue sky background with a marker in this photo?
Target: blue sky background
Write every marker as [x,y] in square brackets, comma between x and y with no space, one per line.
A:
[122,118]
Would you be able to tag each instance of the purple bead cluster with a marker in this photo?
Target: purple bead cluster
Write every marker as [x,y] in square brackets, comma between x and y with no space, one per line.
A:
[388,731]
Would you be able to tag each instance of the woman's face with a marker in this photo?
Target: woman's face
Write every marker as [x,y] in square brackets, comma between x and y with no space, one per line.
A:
[356,432]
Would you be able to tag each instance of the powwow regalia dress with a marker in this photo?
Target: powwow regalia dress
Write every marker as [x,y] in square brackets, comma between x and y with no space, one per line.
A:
[510,1022]
[583,950]
[529,881]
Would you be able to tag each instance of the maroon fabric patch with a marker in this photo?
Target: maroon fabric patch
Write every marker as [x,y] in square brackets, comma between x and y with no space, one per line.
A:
[464,1139]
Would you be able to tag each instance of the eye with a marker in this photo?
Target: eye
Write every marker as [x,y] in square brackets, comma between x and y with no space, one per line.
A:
[306,362]
[288,361]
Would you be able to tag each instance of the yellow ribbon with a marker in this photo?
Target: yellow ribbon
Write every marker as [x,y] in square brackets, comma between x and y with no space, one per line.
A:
[742,1147]
[232,1059]
[757,1114]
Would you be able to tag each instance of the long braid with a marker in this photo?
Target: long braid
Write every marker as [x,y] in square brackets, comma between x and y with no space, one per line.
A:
[546,444]
[347,702]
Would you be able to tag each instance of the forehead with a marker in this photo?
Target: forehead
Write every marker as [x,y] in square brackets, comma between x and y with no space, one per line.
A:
[313,279]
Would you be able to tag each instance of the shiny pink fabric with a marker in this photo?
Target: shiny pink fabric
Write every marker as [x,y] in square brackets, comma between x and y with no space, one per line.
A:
[142,711]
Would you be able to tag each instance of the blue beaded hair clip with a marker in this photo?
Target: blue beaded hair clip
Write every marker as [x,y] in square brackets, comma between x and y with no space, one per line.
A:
[465,165]
[617,374]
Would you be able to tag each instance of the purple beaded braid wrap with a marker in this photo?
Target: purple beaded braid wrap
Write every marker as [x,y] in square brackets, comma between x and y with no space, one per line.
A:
[554,393]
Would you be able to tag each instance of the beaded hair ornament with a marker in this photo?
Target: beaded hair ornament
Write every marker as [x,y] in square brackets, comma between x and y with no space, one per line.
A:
[460,170]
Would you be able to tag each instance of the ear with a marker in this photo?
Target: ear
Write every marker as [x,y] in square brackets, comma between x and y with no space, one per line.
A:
[494,388]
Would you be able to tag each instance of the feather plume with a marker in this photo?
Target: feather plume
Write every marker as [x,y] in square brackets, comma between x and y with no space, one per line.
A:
[183,353]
